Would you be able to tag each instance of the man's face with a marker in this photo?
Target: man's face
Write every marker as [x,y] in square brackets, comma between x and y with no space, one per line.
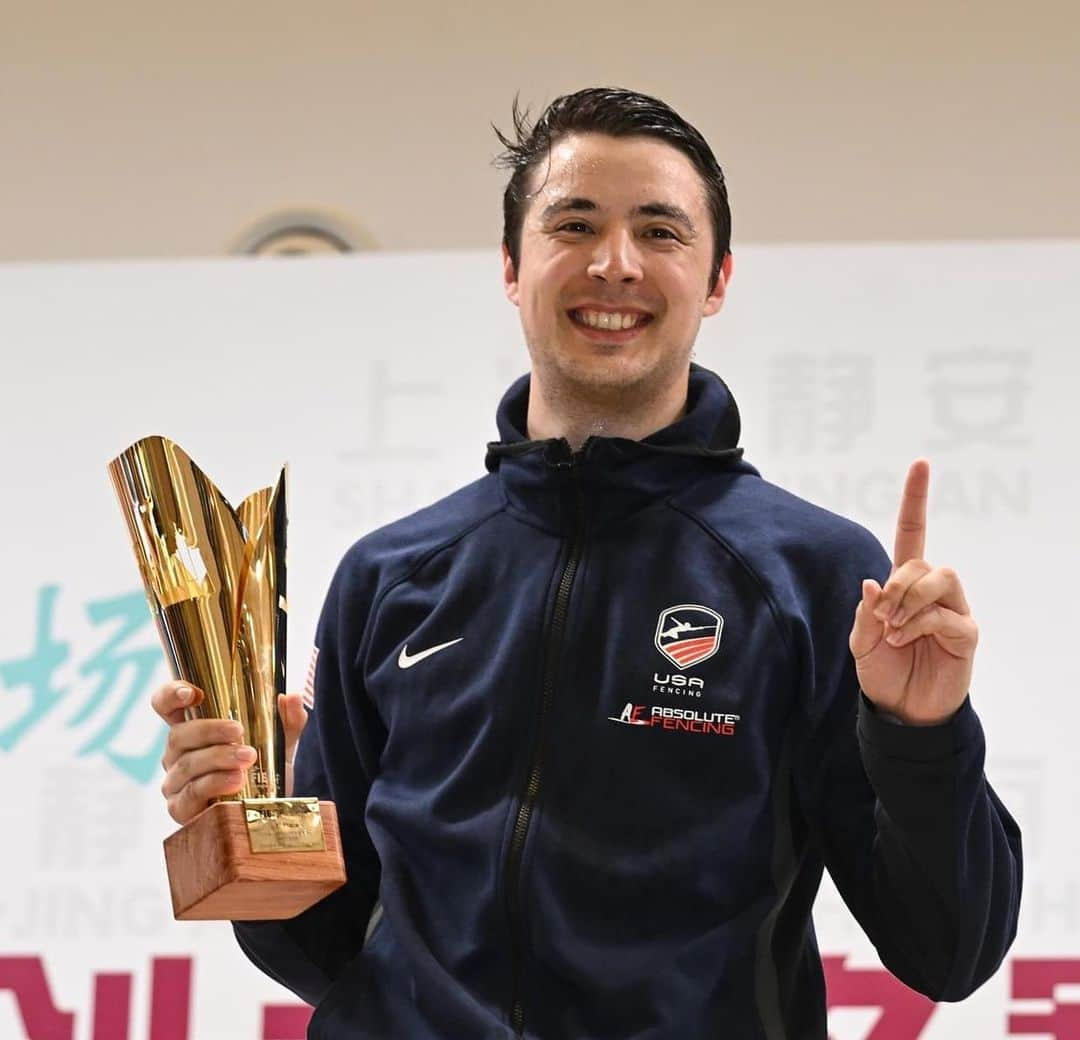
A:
[613,276]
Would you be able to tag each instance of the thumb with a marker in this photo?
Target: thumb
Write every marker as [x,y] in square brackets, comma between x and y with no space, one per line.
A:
[293,720]
[866,631]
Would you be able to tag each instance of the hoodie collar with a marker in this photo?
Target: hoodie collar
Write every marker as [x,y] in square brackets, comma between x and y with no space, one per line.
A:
[615,474]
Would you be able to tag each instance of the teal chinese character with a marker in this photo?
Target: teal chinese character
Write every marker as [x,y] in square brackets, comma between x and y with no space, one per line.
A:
[37,671]
[118,673]
[108,667]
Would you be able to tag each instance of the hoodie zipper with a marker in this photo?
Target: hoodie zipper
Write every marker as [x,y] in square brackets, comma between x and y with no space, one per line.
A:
[552,655]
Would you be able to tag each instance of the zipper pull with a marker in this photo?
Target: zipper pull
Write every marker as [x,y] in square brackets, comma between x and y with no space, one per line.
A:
[558,454]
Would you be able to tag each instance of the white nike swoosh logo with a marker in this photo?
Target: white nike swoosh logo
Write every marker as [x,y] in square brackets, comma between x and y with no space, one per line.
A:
[405,660]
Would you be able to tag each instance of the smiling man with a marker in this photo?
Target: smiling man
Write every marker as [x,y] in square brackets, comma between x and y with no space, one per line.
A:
[695,693]
[612,256]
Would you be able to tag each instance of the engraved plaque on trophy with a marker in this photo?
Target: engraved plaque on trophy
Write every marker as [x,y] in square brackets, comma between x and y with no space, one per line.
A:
[215,581]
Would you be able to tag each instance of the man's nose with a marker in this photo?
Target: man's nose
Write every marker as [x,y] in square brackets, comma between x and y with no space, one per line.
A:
[616,258]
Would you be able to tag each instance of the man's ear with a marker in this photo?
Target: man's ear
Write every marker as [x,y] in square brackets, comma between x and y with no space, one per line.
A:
[714,301]
[510,284]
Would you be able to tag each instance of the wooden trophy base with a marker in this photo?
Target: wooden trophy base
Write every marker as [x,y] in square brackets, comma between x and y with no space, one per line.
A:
[214,875]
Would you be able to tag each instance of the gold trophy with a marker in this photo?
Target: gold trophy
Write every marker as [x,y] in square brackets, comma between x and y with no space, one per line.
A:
[215,581]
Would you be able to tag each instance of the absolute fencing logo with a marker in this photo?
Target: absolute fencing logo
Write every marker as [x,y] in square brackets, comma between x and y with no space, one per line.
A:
[688,634]
[684,720]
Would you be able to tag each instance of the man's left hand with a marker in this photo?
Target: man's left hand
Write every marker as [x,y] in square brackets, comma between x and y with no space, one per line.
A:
[914,640]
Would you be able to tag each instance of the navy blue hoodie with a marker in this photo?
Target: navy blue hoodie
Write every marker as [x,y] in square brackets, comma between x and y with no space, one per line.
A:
[602,809]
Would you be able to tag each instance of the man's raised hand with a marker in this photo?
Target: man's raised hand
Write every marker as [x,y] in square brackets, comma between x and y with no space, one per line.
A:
[914,639]
[207,758]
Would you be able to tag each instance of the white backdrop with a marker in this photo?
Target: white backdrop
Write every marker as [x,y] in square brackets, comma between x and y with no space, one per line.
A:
[376,377]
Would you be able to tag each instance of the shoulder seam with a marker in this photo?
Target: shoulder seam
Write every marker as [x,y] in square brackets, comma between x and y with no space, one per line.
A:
[361,649]
[766,595]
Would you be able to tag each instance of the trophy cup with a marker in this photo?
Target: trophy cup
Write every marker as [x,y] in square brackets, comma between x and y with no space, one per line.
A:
[215,582]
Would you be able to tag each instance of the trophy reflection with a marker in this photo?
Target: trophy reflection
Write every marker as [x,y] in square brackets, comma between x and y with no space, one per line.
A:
[215,581]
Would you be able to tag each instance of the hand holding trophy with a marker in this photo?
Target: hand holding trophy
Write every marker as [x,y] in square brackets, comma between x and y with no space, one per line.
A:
[215,581]
[206,758]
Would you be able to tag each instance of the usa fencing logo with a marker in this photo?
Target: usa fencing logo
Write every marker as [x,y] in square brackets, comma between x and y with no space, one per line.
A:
[688,634]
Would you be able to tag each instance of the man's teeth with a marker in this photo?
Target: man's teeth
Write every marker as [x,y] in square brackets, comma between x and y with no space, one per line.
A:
[606,320]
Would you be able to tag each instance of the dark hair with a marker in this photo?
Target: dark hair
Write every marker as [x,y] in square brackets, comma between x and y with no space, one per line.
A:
[618,113]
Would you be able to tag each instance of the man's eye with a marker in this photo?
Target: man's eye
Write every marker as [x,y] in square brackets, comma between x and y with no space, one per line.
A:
[662,232]
[574,225]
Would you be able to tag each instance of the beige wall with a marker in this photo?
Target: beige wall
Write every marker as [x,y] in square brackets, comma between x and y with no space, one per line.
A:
[145,129]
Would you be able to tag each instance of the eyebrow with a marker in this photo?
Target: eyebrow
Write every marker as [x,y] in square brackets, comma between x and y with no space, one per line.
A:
[648,209]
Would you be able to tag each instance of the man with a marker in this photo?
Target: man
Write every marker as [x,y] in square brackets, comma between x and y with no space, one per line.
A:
[593,724]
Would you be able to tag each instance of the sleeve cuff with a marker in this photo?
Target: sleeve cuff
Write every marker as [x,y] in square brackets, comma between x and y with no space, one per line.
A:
[891,738]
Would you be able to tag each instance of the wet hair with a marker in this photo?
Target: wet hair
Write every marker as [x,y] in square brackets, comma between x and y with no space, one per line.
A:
[617,113]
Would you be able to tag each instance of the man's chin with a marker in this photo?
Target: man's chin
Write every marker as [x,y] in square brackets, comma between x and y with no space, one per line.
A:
[604,375]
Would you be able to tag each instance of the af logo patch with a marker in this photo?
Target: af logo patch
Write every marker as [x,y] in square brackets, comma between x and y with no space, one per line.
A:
[688,634]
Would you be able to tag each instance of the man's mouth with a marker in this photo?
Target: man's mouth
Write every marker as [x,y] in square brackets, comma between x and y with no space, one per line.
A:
[609,321]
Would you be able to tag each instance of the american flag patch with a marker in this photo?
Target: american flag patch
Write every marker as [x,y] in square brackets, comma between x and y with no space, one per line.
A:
[309,682]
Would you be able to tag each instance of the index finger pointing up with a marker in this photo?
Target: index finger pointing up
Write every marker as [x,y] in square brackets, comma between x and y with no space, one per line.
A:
[911,524]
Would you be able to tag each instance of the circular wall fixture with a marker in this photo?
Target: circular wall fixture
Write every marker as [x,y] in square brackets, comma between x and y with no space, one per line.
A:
[300,233]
